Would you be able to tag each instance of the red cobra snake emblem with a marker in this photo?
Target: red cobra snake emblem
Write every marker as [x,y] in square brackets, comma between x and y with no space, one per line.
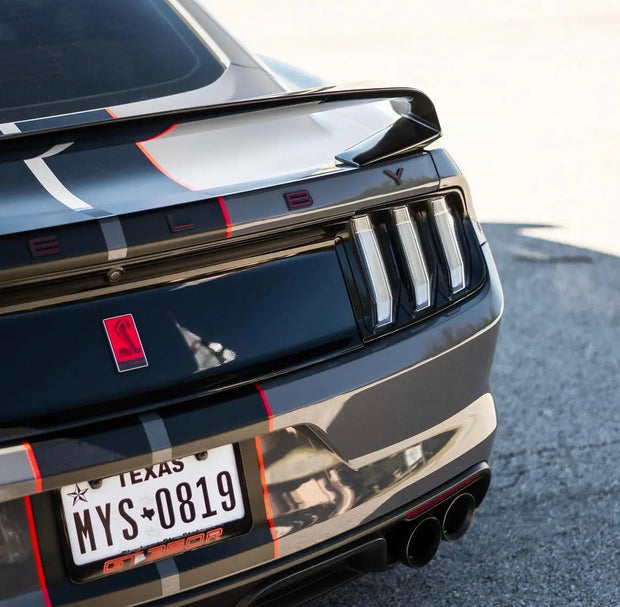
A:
[120,328]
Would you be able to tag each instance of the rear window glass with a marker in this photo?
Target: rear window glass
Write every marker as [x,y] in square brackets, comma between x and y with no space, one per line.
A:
[61,56]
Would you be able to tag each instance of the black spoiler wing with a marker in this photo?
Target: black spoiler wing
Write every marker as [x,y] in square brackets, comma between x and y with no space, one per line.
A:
[416,126]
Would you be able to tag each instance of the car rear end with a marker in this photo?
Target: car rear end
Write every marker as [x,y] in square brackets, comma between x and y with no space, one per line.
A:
[246,350]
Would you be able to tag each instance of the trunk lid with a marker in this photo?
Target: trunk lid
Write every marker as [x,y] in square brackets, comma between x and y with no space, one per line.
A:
[216,228]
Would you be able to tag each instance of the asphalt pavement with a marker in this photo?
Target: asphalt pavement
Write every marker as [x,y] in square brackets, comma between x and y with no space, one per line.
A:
[528,94]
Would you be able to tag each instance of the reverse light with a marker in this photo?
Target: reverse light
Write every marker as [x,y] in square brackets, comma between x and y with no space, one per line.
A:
[409,240]
[381,292]
[444,222]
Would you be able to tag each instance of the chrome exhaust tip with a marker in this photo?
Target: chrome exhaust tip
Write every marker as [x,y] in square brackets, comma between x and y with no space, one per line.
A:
[416,547]
[458,517]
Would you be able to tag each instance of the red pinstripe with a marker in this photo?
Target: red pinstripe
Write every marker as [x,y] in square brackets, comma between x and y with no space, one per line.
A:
[266,404]
[140,145]
[38,483]
[263,480]
[36,552]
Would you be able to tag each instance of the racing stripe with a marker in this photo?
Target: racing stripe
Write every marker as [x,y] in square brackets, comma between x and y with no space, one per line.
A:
[16,473]
[265,489]
[199,420]
[169,574]
[36,552]
[161,169]
[26,204]
[164,132]
[38,483]
[267,406]
[61,147]
[141,146]
[157,435]
[229,227]
[114,236]
[46,177]
[103,449]
[38,167]
[118,178]
[54,186]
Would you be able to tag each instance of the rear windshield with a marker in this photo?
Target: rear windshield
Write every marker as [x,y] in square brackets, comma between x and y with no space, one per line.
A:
[61,56]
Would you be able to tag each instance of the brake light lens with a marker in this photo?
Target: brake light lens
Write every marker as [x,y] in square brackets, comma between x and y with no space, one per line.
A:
[444,222]
[378,283]
[409,240]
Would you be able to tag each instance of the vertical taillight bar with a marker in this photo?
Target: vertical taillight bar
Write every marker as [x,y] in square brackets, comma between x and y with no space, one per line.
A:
[444,222]
[409,240]
[379,285]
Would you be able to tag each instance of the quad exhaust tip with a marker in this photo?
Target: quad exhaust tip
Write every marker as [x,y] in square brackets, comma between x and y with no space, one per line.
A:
[416,544]
[458,517]
[416,547]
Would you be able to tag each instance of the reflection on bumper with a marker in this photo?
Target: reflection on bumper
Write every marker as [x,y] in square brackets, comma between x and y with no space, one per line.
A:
[315,494]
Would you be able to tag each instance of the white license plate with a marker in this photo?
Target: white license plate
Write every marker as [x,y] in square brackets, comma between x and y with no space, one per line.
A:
[152,505]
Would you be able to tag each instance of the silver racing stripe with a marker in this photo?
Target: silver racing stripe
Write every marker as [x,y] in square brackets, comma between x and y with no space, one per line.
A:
[61,147]
[114,237]
[9,128]
[46,177]
[157,435]
[169,574]
[16,476]
[159,441]
[110,226]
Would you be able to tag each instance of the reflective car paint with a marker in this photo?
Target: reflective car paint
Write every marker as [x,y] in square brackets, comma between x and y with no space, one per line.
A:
[372,432]
[444,456]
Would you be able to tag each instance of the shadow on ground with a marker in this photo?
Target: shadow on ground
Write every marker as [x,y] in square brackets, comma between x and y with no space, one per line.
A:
[549,531]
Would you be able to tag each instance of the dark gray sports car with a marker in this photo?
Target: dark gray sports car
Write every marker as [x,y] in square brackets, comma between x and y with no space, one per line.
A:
[247,319]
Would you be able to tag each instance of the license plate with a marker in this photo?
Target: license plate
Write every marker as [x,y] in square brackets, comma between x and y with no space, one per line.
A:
[143,513]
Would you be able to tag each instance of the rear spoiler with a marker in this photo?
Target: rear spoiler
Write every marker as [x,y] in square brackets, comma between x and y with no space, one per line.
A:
[416,126]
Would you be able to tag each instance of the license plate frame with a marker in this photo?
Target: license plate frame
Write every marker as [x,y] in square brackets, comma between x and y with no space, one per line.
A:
[95,569]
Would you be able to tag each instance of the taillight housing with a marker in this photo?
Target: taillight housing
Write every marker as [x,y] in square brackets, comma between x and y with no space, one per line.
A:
[410,260]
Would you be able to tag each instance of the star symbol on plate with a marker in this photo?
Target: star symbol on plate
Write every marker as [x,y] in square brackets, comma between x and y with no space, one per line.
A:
[78,494]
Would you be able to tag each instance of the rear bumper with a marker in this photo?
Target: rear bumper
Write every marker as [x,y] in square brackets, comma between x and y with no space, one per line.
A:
[325,451]
[307,574]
